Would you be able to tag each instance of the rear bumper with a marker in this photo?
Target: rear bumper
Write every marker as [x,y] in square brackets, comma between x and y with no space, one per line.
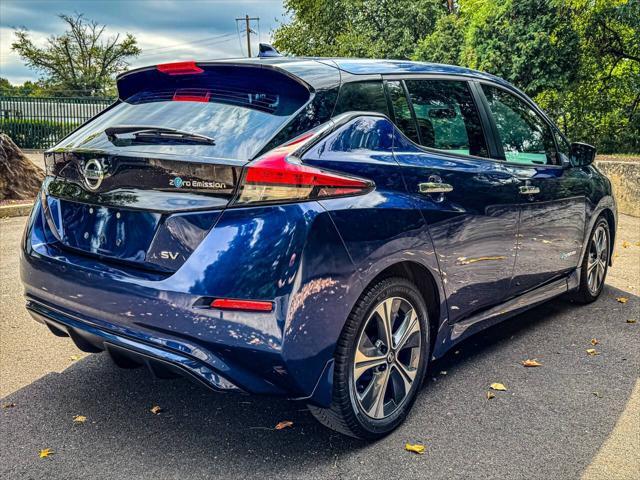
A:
[290,255]
[127,352]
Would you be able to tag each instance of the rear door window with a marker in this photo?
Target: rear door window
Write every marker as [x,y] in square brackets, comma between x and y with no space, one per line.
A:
[401,110]
[525,137]
[447,117]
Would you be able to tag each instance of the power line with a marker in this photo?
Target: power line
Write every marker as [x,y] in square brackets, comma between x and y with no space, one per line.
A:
[177,45]
[185,46]
[169,52]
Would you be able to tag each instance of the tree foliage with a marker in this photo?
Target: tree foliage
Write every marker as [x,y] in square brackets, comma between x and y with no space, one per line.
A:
[357,28]
[579,59]
[81,61]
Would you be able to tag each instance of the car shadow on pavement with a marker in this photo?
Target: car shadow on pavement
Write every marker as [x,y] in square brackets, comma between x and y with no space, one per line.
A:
[549,423]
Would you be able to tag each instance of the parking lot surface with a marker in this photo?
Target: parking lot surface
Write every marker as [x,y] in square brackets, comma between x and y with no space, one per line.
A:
[576,416]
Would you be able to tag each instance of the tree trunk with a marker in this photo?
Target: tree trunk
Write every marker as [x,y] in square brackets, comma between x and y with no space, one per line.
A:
[20,179]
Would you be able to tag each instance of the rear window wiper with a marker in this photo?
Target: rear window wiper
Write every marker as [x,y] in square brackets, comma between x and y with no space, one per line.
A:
[154,135]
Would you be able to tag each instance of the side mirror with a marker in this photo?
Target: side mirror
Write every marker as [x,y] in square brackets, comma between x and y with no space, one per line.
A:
[582,154]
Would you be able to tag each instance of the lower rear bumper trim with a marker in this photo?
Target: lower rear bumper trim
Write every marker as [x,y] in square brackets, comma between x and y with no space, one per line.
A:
[129,353]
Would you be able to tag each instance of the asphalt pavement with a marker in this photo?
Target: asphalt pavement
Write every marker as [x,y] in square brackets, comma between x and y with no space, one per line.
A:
[576,416]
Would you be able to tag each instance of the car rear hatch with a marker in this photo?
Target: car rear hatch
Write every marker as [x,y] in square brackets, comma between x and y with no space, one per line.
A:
[143,182]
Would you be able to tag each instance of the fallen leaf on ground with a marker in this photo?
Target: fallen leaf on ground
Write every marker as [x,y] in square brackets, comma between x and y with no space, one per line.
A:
[8,405]
[631,320]
[73,358]
[156,410]
[79,419]
[414,448]
[490,395]
[625,244]
[45,453]
[498,386]
[592,351]
[597,394]
[622,299]
[594,341]
[531,363]
[284,424]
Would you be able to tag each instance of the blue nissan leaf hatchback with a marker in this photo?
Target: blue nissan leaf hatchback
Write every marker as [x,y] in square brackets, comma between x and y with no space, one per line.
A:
[317,229]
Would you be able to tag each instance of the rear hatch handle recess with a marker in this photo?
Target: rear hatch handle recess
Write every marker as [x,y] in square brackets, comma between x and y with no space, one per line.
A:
[155,134]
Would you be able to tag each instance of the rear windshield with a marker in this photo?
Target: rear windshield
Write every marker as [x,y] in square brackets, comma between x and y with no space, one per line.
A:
[241,108]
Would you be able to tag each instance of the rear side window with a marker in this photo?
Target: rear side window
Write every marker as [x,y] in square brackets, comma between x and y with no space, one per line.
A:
[525,137]
[241,108]
[447,117]
[362,96]
[401,110]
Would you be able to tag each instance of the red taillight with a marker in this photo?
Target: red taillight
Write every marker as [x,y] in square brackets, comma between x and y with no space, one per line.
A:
[276,177]
[250,305]
[179,68]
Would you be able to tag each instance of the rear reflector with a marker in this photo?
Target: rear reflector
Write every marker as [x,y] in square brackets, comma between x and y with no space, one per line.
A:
[180,68]
[277,177]
[250,305]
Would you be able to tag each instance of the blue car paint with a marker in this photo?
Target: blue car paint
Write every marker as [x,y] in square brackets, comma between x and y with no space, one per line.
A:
[312,259]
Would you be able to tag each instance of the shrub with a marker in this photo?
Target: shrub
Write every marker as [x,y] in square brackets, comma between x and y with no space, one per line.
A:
[33,133]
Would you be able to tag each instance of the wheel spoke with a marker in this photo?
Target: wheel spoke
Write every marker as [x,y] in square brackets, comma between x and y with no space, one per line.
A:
[385,324]
[366,358]
[409,326]
[408,374]
[373,397]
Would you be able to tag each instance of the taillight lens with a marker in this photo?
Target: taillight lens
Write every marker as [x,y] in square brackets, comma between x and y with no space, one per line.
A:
[277,176]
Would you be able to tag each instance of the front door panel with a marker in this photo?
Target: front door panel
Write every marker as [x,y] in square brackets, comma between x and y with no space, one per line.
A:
[551,225]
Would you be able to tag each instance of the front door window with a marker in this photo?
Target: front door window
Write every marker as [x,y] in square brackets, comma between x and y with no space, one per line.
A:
[525,137]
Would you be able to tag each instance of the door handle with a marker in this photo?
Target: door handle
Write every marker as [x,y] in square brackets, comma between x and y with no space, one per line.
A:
[434,187]
[529,190]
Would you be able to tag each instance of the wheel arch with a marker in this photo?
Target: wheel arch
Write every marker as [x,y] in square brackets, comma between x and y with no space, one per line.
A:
[425,281]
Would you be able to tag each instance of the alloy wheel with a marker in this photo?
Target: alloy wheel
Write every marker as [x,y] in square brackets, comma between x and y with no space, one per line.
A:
[598,258]
[386,358]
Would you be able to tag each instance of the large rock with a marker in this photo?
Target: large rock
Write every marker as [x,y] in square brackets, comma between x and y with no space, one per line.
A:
[20,179]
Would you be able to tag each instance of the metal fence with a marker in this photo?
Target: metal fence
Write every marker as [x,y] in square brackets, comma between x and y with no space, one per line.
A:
[39,122]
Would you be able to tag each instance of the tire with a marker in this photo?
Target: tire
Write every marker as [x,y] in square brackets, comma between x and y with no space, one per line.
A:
[356,409]
[587,292]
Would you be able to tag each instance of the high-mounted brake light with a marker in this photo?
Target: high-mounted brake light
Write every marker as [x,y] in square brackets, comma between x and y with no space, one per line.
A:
[248,305]
[191,97]
[179,68]
[277,177]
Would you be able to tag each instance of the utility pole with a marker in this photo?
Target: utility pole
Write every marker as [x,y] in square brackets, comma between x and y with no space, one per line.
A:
[247,21]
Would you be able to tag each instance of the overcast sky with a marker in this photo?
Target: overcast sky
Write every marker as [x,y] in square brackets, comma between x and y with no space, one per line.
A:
[165,29]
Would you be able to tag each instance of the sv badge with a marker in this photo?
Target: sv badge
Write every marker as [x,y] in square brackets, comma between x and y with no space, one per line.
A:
[165,255]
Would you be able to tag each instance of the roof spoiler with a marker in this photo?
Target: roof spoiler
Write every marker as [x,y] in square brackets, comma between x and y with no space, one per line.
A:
[265,50]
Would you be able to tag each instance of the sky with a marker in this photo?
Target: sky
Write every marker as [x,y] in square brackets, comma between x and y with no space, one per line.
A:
[166,30]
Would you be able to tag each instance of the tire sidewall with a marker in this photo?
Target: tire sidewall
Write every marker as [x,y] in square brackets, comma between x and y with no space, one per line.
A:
[406,290]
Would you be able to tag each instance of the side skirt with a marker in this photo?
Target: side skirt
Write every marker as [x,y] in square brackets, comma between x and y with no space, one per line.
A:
[487,318]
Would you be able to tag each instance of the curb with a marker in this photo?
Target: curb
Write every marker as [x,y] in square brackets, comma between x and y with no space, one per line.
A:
[16,210]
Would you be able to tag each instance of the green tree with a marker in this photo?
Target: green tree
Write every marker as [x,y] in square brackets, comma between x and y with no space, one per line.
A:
[27,89]
[81,61]
[444,44]
[357,28]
